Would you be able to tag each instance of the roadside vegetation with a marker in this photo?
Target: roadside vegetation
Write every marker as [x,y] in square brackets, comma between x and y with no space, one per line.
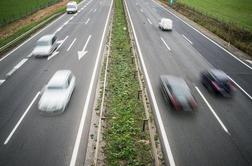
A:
[230,20]
[15,29]
[15,9]
[125,142]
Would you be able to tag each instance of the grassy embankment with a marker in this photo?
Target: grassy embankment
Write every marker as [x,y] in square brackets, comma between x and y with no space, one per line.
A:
[126,144]
[231,20]
[15,9]
[26,17]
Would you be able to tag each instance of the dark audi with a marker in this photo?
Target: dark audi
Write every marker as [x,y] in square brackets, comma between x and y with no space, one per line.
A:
[177,93]
[218,82]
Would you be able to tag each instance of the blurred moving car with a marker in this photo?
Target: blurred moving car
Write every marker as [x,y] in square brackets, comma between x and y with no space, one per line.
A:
[177,93]
[57,93]
[45,45]
[218,82]
[72,7]
[165,24]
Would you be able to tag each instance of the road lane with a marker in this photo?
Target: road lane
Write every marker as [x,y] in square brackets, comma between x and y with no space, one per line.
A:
[42,140]
[197,138]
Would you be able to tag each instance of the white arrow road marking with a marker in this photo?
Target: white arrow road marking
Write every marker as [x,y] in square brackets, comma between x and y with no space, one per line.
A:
[71,44]
[60,42]
[165,44]
[213,112]
[21,119]
[187,39]
[16,67]
[87,21]
[83,51]
[1,82]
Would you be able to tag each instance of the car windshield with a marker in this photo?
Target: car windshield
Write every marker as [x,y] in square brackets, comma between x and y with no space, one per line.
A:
[71,6]
[43,43]
[54,87]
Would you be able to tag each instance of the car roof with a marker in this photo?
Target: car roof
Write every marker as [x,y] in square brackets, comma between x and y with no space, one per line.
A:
[219,74]
[59,78]
[177,84]
[165,19]
[72,2]
[46,37]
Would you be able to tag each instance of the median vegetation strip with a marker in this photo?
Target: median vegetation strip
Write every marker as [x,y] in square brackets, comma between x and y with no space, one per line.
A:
[126,143]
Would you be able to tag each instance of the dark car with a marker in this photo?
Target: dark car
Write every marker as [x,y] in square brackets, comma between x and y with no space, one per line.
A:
[218,82]
[177,93]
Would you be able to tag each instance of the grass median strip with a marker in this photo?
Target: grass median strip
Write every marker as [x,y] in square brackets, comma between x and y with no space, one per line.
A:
[126,143]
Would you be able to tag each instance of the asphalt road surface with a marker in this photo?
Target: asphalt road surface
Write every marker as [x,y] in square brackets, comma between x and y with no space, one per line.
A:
[219,132]
[26,136]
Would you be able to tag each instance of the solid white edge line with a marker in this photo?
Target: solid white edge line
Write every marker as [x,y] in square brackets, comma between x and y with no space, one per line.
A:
[21,119]
[149,21]
[246,93]
[165,44]
[71,44]
[212,110]
[31,37]
[159,119]
[205,36]
[187,39]
[85,109]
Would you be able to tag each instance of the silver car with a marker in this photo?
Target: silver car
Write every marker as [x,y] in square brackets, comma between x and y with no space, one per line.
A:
[45,46]
[57,93]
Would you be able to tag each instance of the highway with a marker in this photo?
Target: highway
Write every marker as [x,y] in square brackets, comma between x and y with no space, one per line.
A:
[26,136]
[219,132]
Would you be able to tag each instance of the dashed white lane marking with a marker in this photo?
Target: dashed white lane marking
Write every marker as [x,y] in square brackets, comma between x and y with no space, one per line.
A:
[71,44]
[155,105]
[56,51]
[94,10]
[246,93]
[141,10]
[87,21]
[71,18]
[1,82]
[90,10]
[218,45]
[165,44]
[58,29]
[149,21]
[66,23]
[21,119]
[15,68]
[188,40]
[28,56]
[85,109]
[212,110]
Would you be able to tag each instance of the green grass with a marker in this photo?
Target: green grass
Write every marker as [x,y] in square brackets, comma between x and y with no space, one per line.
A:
[238,12]
[125,142]
[12,10]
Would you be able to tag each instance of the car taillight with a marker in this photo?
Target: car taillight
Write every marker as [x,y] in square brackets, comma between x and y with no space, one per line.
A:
[215,85]
[175,103]
[232,85]
[193,103]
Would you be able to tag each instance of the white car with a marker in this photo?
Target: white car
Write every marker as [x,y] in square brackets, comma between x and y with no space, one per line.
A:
[72,7]
[45,46]
[57,93]
[165,24]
